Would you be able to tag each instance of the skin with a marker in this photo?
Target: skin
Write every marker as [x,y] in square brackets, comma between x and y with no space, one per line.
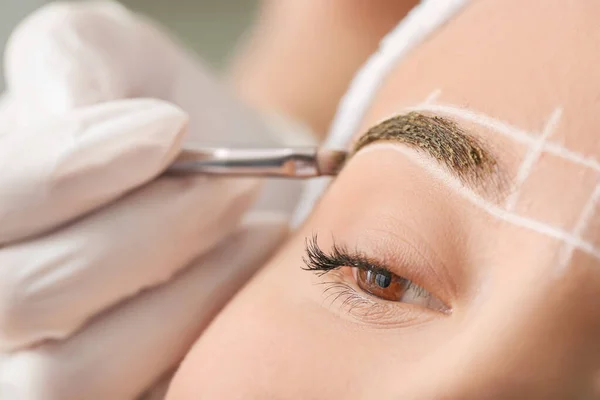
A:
[322,41]
[520,327]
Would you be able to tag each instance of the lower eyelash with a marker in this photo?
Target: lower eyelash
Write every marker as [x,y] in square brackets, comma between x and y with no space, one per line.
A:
[343,292]
[356,302]
[365,310]
[337,290]
[350,299]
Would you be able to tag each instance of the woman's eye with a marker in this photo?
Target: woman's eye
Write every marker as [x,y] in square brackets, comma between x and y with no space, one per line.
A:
[388,286]
[382,284]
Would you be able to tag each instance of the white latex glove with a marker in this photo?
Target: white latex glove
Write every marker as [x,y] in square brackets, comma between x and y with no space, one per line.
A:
[95,299]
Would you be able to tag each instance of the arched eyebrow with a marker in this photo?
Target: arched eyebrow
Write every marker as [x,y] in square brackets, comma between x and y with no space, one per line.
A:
[444,140]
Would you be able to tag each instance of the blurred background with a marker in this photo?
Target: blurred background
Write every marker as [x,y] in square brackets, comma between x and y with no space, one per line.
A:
[210,27]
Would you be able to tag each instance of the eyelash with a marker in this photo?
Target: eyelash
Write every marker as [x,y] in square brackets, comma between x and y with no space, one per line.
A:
[322,263]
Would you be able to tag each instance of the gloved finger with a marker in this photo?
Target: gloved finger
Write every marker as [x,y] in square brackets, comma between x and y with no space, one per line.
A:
[67,55]
[146,336]
[137,242]
[60,168]
[57,58]
[86,52]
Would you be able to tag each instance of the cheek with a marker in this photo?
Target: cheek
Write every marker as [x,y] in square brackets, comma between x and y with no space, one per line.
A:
[271,341]
[265,344]
[278,337]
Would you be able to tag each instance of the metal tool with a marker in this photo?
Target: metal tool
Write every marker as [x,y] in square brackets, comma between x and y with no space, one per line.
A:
[298,163]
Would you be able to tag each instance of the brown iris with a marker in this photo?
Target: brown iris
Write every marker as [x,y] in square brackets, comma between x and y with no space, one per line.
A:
[382,284]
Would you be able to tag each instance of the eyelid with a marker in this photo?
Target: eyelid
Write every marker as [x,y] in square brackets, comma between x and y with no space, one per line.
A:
[411,289]
[368,309]
[413,259]
[399,262]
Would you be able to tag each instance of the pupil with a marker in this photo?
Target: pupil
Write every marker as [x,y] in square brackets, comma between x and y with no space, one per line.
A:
[383,280]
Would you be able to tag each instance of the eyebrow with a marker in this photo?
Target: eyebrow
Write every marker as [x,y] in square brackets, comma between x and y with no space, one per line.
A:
[445,141]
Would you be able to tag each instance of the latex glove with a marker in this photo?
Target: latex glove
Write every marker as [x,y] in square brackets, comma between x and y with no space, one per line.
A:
[95,302]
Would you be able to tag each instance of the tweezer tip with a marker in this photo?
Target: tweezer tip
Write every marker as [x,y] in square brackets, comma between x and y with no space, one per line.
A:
[330,162]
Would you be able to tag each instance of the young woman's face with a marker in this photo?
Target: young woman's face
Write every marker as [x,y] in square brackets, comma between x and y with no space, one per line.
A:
[456,256]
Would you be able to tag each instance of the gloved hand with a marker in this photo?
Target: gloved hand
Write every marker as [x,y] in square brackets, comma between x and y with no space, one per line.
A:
[108,269]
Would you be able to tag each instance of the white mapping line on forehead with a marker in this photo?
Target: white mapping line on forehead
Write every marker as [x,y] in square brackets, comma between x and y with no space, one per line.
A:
[534,153]
[584,218]
[419,24]
[429,101]
[431,98]
[508,130]
[537,145]
[495,211]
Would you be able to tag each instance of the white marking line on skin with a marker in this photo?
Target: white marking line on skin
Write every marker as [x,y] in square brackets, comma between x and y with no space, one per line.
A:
[492,209]
[481,119]
[508,130]
[584,218]
[534,153]
[431,98]
[572,241]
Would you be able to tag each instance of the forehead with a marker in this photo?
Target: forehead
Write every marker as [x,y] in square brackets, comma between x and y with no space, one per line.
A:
[530,93]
